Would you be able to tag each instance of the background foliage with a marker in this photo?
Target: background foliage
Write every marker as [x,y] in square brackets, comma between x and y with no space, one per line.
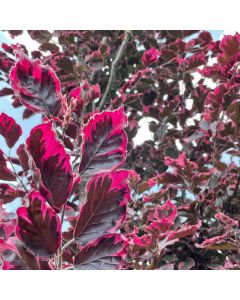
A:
[184,206]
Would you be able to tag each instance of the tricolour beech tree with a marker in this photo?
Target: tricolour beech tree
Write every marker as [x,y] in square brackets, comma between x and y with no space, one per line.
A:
[93,198]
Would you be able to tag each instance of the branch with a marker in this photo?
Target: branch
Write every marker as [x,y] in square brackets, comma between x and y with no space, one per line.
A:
[114,67]
[14,170]
[59,253]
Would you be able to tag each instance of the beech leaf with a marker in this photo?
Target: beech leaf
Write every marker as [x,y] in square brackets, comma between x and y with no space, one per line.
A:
[104,253]
[53,163]
[37,86]
[9,129]
[39,227]
[104,143]
[5,173]
[105,207]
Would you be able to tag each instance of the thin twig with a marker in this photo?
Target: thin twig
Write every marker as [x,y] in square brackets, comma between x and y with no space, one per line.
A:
[59,254]
[14,170]
[68,244]
[114,67]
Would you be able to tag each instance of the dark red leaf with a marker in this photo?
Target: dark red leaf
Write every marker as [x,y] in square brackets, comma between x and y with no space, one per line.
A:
[188,264]
[33,262]
[37,86]
[23,156]
[76,94]
[185,231]
[149,97]
[27,113]
[104,253]
[6,92]
[217,243]
[195,61]
[105,207]
[66,64]
[5,173]
[41,36]
[230,44]
[9,129]
[105,143]
[7,223]
[53,163]
[8,194]
[227,221]
[39,227]
[7,48]
[167,267]
[164,217]
[10,257]
[93,93]
[49,47]
[143,241]
[181,163]
[15,256]
[15,32]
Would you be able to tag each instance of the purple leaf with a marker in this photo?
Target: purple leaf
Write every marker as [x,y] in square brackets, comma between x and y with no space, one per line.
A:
[184,231]
[6,92]
[9,129]
[7,223]
[15,256]
[23,156]
[104,253]
[41,36]
[53,163]
[105,143]
[37,86]
[5,173]
[105,207]
[10,257]
[39,227]
[8,194]
[188,264]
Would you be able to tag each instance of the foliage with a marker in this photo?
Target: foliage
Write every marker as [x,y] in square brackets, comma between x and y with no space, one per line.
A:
[175,204]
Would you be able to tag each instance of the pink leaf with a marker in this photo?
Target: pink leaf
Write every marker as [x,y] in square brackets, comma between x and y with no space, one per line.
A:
[23,156]
[143,241]
[182,163]
[104,253]
[185,231]
[39,227]
[105,207]
[7,223]
[15,256]
[104,143]
[214,241]
[93,93]
[37,86]
[165,216]
[10,256]
[9,129]
[53,163]
[150,56]
[226,220]
[195,61]
[5,173]
[8,194]
[230,44]
[76,94]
